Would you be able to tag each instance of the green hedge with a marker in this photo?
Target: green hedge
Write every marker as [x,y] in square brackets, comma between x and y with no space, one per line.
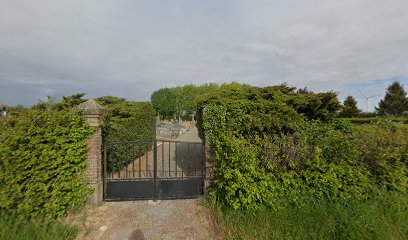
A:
[127,121]
[42,161]
[269,151]
[403,120]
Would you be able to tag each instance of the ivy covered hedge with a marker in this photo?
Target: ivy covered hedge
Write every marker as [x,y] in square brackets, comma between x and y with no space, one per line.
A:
[272,146]
[42,163]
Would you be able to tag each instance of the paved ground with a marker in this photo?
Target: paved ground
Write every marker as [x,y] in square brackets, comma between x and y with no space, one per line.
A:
[190,136]
[137,220]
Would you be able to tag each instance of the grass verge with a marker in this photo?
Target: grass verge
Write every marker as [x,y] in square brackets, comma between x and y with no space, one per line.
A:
[383,216]
[36,231]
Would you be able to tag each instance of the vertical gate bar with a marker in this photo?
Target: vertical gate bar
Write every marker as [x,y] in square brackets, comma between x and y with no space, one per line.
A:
[188,160]
[105,148]
[195,160]
[133,160]
[155,164]
[139,152]
[120,166]
[203,170]
[175,157]
[198,157]
[126,159]
[113,160]
[169,161]
[147,158]
[162,174]
[182,164]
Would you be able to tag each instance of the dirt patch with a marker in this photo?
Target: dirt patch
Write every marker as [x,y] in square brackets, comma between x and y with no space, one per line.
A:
[166,219]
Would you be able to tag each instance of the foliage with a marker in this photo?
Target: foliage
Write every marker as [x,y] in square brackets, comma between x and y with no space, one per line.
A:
[127,121]
[179,101]
[367,114]
[67,102]
[36,231]
[272,147]
[42,161]
[323,106]
[16,110]
[164,102]
[395,102]
[374,120]
[349,108]
[182,101]
[384,215]
[384,151]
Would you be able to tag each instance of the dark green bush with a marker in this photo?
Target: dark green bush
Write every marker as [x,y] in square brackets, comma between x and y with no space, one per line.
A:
[273,147]
[127,121]
[376,119]
[384,151]
[42,161]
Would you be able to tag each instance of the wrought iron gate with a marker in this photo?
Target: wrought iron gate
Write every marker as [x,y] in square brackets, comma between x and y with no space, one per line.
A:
[155,169]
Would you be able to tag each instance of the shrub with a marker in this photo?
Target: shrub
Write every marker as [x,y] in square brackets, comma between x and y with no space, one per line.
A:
[42,161]
[377,119]
[384,150]
[127,121]
[268,149]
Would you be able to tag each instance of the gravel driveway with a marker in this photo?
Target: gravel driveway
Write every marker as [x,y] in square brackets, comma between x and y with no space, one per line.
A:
[137,220]
[134,220]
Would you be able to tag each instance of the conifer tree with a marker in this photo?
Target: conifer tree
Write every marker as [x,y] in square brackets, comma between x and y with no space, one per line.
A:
[349,108]
[395,101]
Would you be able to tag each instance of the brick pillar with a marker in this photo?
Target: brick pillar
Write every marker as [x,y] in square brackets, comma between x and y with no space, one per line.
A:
[94,113]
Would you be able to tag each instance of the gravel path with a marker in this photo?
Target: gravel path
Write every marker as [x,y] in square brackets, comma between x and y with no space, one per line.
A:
[134,220]
[137,220]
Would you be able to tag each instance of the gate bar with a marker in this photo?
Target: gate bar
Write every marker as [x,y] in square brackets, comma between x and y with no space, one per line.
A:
[155,165]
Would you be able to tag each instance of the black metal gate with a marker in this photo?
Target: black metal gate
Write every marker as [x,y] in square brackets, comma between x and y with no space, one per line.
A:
[155,169]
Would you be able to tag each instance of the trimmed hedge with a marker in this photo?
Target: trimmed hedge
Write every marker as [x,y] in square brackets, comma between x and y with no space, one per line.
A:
[279,148]
[127,121]
[42,161]
[403,120]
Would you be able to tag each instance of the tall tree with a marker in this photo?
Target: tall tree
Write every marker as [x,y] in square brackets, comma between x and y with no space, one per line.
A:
[349,108]
[395,102]
[179,101]
[165,101]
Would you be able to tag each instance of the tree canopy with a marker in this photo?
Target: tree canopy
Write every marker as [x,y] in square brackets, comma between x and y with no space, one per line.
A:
[183,101]
[179,101]
[349,108]
[395,101]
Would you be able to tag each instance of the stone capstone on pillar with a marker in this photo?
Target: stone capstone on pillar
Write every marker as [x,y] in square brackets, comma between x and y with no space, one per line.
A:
[94,113]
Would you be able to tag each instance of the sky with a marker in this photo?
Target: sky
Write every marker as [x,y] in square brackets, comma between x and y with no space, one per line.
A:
[130,48]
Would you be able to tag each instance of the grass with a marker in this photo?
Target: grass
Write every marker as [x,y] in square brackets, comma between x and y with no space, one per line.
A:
[36,231]
[384,216]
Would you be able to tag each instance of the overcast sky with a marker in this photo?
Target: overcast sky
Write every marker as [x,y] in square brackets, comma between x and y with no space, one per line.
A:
[131,48]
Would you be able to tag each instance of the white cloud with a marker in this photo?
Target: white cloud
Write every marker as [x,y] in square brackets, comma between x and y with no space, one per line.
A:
[130,48]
